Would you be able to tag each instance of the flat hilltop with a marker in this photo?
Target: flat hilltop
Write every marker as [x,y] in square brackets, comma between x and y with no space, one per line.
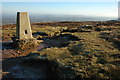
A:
[79,50]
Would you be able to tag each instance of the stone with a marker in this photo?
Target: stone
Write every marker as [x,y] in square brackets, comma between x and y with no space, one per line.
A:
[25,44]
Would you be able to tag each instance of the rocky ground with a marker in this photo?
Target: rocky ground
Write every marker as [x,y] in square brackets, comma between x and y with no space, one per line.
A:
[79,50]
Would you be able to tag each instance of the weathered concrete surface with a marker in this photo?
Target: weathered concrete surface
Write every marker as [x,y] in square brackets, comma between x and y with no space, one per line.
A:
[23,28]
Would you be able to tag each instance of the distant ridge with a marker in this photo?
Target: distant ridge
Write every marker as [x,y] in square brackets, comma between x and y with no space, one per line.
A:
[55,18]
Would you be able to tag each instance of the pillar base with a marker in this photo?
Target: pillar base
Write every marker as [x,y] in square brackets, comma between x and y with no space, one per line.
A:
[25,44]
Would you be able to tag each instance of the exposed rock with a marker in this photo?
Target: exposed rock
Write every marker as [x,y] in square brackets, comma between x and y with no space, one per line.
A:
[24,44]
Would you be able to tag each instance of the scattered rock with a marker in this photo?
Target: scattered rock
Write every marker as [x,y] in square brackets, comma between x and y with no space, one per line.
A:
[25,44]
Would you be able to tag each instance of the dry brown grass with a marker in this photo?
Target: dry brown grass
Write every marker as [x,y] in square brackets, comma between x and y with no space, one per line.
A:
[92,56]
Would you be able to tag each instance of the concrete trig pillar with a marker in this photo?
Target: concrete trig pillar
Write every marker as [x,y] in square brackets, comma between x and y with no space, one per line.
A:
[24,39]
[23,28]
[119,11]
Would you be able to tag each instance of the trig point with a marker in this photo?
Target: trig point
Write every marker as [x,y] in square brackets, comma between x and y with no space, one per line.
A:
[119,11]
[23,28]
[24,39]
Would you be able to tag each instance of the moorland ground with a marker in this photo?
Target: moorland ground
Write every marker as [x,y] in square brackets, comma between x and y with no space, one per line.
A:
[79,50]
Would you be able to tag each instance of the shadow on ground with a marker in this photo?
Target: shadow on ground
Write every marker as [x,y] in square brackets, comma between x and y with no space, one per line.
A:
[111,38]
[60,41]
[27,67]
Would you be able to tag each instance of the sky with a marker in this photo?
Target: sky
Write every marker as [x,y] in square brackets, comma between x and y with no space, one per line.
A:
[105,9]
[59,0]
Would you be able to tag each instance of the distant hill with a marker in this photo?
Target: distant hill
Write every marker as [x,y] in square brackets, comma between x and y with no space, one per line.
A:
[54,18]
